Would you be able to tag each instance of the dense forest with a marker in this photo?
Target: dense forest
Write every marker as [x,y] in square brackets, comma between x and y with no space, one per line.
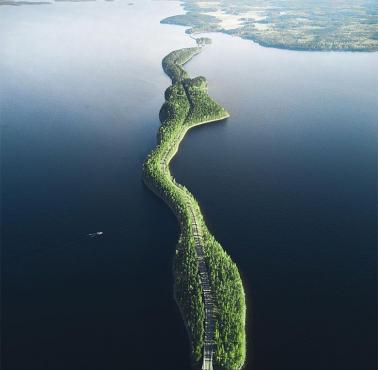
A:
[293,24]
[187,104]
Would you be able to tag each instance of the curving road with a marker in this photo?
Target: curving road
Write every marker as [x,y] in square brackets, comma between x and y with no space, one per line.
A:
[208,348]
[195,225]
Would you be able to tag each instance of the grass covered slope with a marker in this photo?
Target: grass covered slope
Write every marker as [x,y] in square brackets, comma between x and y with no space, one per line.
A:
[187,104]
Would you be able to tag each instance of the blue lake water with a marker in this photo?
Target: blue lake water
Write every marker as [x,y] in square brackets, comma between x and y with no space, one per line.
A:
[287,185]
[81,87]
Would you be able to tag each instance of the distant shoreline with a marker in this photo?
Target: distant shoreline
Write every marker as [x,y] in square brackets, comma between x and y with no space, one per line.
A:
[282,27]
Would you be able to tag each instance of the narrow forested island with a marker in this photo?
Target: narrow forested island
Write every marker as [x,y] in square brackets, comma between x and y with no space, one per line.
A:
[208,287]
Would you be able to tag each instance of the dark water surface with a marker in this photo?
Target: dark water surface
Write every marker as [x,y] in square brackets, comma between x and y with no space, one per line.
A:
[81,87]
[287,184]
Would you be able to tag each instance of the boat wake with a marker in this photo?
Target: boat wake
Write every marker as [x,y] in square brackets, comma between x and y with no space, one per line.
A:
[94,235]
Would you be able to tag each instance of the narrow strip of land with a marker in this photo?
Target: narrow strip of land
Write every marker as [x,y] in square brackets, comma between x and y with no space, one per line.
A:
[208,287]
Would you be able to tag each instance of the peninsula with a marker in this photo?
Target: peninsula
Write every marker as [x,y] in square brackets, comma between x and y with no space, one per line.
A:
[208,287]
